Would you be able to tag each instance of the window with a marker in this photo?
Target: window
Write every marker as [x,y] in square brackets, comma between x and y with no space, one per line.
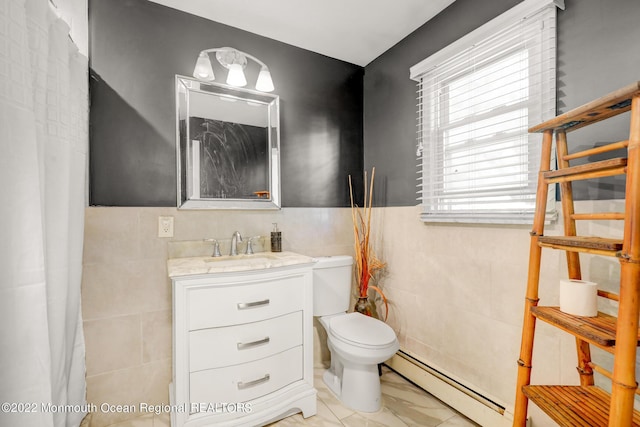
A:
[476,100]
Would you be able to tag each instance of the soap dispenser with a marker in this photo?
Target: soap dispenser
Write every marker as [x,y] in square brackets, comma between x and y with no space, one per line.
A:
[276,239]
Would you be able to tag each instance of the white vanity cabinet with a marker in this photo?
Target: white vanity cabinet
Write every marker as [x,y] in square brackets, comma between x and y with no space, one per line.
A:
[242,347]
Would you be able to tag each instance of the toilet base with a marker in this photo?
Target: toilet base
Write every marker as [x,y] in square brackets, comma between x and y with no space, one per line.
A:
[359,387]
[354,375]
[332,381]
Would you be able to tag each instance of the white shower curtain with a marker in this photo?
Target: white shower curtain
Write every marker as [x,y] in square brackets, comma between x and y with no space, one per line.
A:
[43,157]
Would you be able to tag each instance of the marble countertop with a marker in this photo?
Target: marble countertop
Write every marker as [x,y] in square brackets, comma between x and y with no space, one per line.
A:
[224,264]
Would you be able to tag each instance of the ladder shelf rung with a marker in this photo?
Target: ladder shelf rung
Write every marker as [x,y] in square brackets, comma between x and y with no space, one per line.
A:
[599,330]
[594,245]
[600,169]
[574,405]
[597,150]
[598,216]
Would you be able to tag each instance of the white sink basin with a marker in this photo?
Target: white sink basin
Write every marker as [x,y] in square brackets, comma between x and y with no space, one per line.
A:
[233,261]
[254,258]
[224,264]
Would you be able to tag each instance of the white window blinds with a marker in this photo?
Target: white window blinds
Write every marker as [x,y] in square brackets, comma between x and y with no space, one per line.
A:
[476,100]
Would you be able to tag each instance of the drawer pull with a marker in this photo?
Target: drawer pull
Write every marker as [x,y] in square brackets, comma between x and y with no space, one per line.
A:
[246,345]
[246,305]
[242,386]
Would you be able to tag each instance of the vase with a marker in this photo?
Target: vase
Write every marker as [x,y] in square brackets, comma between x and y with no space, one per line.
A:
[363,306]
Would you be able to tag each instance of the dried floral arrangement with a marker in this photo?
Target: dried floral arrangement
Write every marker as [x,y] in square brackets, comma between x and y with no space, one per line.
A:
[367,263]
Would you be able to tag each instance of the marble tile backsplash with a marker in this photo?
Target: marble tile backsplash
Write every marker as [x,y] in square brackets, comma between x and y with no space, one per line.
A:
[204,247]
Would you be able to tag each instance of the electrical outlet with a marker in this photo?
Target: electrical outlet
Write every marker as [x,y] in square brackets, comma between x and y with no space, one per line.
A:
[165,226]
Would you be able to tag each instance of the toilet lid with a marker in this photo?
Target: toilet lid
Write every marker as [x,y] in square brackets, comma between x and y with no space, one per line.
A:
[362,330]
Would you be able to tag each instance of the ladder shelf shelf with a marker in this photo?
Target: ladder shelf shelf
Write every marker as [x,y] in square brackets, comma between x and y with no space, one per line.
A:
[584,406]
[587,405]
[589,244]
[599,330]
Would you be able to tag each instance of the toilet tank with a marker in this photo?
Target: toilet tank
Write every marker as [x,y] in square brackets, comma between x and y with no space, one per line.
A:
[332,284]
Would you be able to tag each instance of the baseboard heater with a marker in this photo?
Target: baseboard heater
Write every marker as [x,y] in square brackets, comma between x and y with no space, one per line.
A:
[462,398]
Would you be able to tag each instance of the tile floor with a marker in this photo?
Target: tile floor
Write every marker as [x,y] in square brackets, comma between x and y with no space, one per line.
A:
[404,405]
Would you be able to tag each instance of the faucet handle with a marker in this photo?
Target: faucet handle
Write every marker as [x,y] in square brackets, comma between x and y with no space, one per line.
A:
[249,250]
[216,247]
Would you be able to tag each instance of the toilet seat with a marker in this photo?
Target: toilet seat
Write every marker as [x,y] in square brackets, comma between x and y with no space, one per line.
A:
[362,331]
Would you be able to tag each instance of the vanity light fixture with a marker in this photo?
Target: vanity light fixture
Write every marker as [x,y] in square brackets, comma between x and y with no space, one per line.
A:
[235,61]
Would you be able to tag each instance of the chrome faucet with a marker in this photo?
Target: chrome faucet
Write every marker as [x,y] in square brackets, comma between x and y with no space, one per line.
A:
[237,237]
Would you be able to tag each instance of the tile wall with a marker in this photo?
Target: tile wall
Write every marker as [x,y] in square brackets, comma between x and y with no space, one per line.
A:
[456,293]
[126,295]
[457,297]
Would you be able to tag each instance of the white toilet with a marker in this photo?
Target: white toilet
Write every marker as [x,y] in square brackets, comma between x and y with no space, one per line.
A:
[357,342]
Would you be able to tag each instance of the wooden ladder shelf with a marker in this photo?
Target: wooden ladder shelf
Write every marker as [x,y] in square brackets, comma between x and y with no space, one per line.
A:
[587,405]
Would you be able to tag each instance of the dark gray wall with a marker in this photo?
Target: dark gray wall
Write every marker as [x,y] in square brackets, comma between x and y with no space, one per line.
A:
[597,53]
[137,47]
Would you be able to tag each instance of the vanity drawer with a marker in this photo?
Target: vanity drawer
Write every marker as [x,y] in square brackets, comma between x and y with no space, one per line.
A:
[247,381]
[232,345]
[243,303]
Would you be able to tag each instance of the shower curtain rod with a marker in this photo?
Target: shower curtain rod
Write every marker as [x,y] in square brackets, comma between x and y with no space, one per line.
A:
[55,9]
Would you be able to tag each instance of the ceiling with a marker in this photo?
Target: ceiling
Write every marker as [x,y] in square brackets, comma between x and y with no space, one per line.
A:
[356,31]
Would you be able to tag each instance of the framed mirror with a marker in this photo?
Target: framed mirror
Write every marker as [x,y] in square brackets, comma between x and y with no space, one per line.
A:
[228,146]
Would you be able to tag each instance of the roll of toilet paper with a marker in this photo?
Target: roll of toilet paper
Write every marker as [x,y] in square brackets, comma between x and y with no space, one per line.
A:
[579,297]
